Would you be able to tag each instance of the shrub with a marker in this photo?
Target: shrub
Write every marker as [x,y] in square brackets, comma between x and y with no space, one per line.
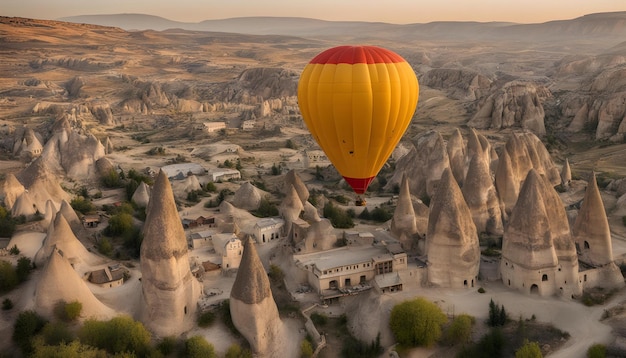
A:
[497,315]
[338,217]
[319,319]
[167,345]
[27,325]
[198,347]
[14,250]
[266,209]
[72,310]
[306,349]
[119,224]
[82,205]
[7,304]
[235,351]
[118,335]
[460,331]
[529,350]
[416,322]
[481,290]
[205,319]
[381,215]
[596,351]
[23,268]
[104,246]
[55,333]
[111,179]
[8,276]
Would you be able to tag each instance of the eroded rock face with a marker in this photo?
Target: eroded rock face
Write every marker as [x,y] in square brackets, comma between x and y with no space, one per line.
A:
[169,291]
[141,196]
[11,188]
[451,241]
[252,306]
[482,198]
[403,222]
[591,228]
[247,197]
[517,104]
[290,208]
[423,164]
[457,156]
[59,282]
[538,254]
[293,179]
[458,83]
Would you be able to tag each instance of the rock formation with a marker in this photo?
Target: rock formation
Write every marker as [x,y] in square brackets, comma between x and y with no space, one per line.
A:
[457,156]
[458,83]
[423,164]
[169,291]
[481,197]
[293,179]
[593,237]
[290,208]
[41,183]
[566,174]
[24,206]
[403,223]
[517,104]
[59,282]
[451,241]
[72,218]
[49,214]
[537,248]
[108,146]
[60,237]
[11,188]
[320,236]
[141,196]
[247,197]
[253,309]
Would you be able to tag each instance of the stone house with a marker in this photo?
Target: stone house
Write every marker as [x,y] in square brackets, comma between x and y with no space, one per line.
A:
[268,229]
[230,248]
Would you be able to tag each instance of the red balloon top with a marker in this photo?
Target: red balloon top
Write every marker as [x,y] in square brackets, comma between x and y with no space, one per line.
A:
[357,54]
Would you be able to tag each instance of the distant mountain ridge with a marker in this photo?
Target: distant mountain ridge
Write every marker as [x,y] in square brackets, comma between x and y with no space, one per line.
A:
[611,24]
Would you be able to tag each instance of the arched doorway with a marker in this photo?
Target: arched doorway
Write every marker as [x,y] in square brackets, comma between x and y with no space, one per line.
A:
[534,289]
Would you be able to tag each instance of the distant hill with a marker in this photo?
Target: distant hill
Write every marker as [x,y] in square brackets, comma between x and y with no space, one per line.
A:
[605,26]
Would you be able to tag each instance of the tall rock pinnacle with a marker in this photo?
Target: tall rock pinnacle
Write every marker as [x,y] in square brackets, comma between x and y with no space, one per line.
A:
[169,291]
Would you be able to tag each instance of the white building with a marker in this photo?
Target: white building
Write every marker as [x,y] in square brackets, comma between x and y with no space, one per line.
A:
[174,170]
[202,239]
[230,248]
[248,125]
[313,158]
[214,126]
[224,174]
[268,229]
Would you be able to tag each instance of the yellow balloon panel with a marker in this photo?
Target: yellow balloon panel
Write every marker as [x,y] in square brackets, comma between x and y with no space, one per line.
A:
[358,112]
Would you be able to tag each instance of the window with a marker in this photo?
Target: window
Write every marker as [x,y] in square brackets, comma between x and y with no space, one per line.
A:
[586,244]
[544,277]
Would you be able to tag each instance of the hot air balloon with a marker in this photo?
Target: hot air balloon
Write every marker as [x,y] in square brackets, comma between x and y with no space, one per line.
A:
[357,102]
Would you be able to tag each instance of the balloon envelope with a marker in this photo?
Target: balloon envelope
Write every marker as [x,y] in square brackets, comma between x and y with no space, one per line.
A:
[357,102]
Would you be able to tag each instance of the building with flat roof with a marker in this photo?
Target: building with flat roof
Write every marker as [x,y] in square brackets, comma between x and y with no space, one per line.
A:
[224,174]
[183,169]
[349,266]
[268,229]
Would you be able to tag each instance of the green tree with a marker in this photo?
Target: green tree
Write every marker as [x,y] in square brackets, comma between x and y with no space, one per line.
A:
[111,179]
[72,310]
[337,216]
[119,224]
[266,209]
[167,345]
[82,205]
[596,351]
[235,351]
[23,268]
[198,347]
[55,333]
[416,322]
[72,349]
[460,331]
[381,215]
[118,335]
[529,350]
[27,325]
[104,246]
[210,187]
[8,276]
[205,319]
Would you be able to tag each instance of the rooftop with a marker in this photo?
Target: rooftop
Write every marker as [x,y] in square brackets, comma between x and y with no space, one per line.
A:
[343,256]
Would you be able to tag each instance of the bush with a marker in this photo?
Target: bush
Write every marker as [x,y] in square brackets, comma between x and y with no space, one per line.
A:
[104,246]
[460,331]
[529,350]
[118,335]
[596,351]
[72,310]
[111,179]
[205,319]
[481,290]
[266,209]
[8,276]
[66,350]
[14,250]
[497,315]
[276,274]
[416,322]
[198,347]
[27,325]
[235,351]
[55,333]
[490,345]
[119,224]
[306,349]
[7,304]
[338,217]
[167,345]
[319,319]
[23,269]
[82,205]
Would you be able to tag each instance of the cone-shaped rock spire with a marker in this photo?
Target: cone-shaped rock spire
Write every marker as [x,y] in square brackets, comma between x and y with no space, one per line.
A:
[566,174]
[403,222]
[247,197]
[591,228]
[141,196]
[59,282]
[252,306]
[169,291]
[456,154]
[481,197]
[451,242]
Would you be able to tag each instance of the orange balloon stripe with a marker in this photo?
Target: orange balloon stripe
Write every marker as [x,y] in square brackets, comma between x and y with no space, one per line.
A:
[357,54]
[358,113]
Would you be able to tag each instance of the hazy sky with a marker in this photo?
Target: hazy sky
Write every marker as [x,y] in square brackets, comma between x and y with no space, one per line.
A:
[393,11]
